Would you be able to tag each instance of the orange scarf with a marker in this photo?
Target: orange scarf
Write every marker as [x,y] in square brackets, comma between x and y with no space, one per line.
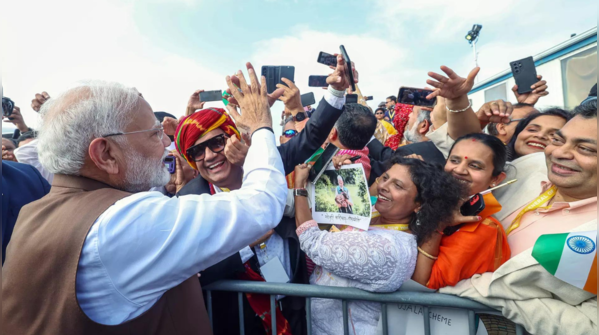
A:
[475,248]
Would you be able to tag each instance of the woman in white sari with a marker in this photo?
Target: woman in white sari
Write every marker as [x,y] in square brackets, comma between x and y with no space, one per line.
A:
[416,200]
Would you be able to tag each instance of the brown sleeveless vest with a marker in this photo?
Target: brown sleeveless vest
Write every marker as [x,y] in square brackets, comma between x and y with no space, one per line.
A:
[38,277]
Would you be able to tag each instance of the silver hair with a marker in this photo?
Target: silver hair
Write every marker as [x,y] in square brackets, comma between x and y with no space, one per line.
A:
[79,115]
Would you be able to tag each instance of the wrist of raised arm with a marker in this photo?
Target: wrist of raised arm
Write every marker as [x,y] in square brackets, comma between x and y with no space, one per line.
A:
[458,103]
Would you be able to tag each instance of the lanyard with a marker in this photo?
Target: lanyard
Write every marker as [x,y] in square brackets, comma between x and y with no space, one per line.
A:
[536,204]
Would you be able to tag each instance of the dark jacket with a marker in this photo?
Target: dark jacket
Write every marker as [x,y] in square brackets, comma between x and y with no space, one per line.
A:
[294,152]
[380,154]
[21,184]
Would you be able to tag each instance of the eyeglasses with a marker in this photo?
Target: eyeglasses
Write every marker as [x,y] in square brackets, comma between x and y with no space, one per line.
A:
[160,133]
[215,144]
[516,120]
[290,133]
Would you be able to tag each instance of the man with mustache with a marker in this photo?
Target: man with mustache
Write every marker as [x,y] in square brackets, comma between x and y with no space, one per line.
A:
[522,289]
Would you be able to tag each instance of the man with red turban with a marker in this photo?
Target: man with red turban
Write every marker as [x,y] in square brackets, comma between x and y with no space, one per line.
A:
[207,139]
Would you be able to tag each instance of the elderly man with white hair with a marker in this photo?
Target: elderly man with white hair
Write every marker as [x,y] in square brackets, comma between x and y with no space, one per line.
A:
[98,254]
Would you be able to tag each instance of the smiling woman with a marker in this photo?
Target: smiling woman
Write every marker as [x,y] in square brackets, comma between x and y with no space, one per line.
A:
[534,133]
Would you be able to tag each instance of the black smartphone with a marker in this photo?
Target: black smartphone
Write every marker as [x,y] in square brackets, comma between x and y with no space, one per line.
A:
[274,74]
[368,97]
[348,67]
[216,95]
[525,74]
[327,59]
[308,99]
[472,207]
[355,158]
[323,162]
[7,107]
[171,164]
[317,81]
[351,98]
[414,96]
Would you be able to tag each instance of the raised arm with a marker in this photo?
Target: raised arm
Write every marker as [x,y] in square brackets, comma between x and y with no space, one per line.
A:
[163,241]
[461,119]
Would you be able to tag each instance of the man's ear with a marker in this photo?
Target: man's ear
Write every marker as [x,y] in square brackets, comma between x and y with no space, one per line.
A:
[501,129]
[423,127]
[102,153]
[333,135]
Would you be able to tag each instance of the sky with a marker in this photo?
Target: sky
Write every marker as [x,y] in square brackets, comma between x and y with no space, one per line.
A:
[169,48]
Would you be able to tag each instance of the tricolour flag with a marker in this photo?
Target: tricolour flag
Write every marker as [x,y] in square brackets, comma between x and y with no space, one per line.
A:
[571,257]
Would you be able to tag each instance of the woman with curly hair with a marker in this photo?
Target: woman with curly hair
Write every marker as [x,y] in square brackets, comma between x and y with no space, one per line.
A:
[416,199]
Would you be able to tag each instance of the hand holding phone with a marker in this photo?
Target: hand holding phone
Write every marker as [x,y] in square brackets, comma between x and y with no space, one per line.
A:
[317,81]
[171,164]
[415,96]
[327,59]
[471,207]
[273,75]
[525,74]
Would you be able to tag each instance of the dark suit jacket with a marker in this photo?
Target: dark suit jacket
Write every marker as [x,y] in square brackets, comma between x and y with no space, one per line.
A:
[294,152]
[380,154]
[21,184]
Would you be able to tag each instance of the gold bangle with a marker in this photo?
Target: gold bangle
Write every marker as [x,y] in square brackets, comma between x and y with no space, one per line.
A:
[426,254]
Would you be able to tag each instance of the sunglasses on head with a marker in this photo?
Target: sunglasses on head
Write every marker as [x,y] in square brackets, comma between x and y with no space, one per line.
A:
[215,144]
[290,133]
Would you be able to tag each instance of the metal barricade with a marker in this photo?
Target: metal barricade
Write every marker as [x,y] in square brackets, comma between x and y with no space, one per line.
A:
[346,294]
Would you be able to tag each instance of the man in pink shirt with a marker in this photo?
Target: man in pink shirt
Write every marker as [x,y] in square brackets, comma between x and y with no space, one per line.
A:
[569,199]
[522,289]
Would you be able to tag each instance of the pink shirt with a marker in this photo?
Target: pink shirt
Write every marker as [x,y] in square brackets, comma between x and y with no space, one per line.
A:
[561,217]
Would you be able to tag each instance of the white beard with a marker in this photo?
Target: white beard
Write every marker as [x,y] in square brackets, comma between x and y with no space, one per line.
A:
[143,174]
[412,135]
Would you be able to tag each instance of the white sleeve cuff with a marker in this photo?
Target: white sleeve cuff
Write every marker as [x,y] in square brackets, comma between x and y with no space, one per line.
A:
[335,101]
[246,254]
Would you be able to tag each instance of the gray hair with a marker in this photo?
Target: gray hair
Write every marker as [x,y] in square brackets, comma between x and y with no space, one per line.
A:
[424,115]
[72,120]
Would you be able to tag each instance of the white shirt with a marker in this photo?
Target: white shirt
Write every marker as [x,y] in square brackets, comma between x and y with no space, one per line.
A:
[147,243]
[27,154]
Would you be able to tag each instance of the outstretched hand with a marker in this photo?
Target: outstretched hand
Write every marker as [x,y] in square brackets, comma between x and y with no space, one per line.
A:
[339,80]
[539,89]
[452,86]
[253,102]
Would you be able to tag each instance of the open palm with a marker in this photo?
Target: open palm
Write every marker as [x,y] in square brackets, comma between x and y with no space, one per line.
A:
[452,86]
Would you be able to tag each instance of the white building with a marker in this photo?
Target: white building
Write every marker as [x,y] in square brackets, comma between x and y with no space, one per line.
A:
[570,69]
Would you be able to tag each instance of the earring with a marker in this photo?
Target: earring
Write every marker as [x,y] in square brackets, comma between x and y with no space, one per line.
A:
[417,219]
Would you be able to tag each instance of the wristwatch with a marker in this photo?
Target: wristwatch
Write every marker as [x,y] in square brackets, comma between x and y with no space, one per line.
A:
[300,192]
[299,117]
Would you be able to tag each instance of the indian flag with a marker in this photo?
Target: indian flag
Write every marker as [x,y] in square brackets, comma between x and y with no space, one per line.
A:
[571,257]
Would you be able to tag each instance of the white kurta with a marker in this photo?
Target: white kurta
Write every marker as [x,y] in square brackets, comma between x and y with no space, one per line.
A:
[147,243]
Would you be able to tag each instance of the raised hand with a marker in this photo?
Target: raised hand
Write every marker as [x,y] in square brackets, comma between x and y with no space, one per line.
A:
[170,126]
[539,89]
[302,172]
[194,103]
[339,79]
[39,100]
[498,111]
[236,151]
[17,119]
[272,98]
[254,104]
[291,97]
[452,86]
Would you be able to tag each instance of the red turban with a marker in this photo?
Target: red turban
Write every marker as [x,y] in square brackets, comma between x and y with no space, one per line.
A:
[198,124]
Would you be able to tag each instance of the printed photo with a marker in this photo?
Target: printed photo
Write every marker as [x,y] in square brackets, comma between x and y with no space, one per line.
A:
[341,197]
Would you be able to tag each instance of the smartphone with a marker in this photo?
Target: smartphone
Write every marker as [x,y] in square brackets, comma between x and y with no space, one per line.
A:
[355,158]
[274,74]
[368,98]
[473,206]
[308,99]
[170,163]
[525,74]
[327,59]
[216,95]
[7,107]
[348,68]
[351,98]
[317,81]
[414,96]
[323,162]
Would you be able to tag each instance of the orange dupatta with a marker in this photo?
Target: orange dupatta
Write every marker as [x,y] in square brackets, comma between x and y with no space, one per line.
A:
[475,248]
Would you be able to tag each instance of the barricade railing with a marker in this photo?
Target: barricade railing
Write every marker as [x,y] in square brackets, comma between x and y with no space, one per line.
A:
[345,294]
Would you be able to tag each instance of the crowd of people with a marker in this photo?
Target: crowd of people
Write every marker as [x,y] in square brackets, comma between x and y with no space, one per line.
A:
[99,237]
